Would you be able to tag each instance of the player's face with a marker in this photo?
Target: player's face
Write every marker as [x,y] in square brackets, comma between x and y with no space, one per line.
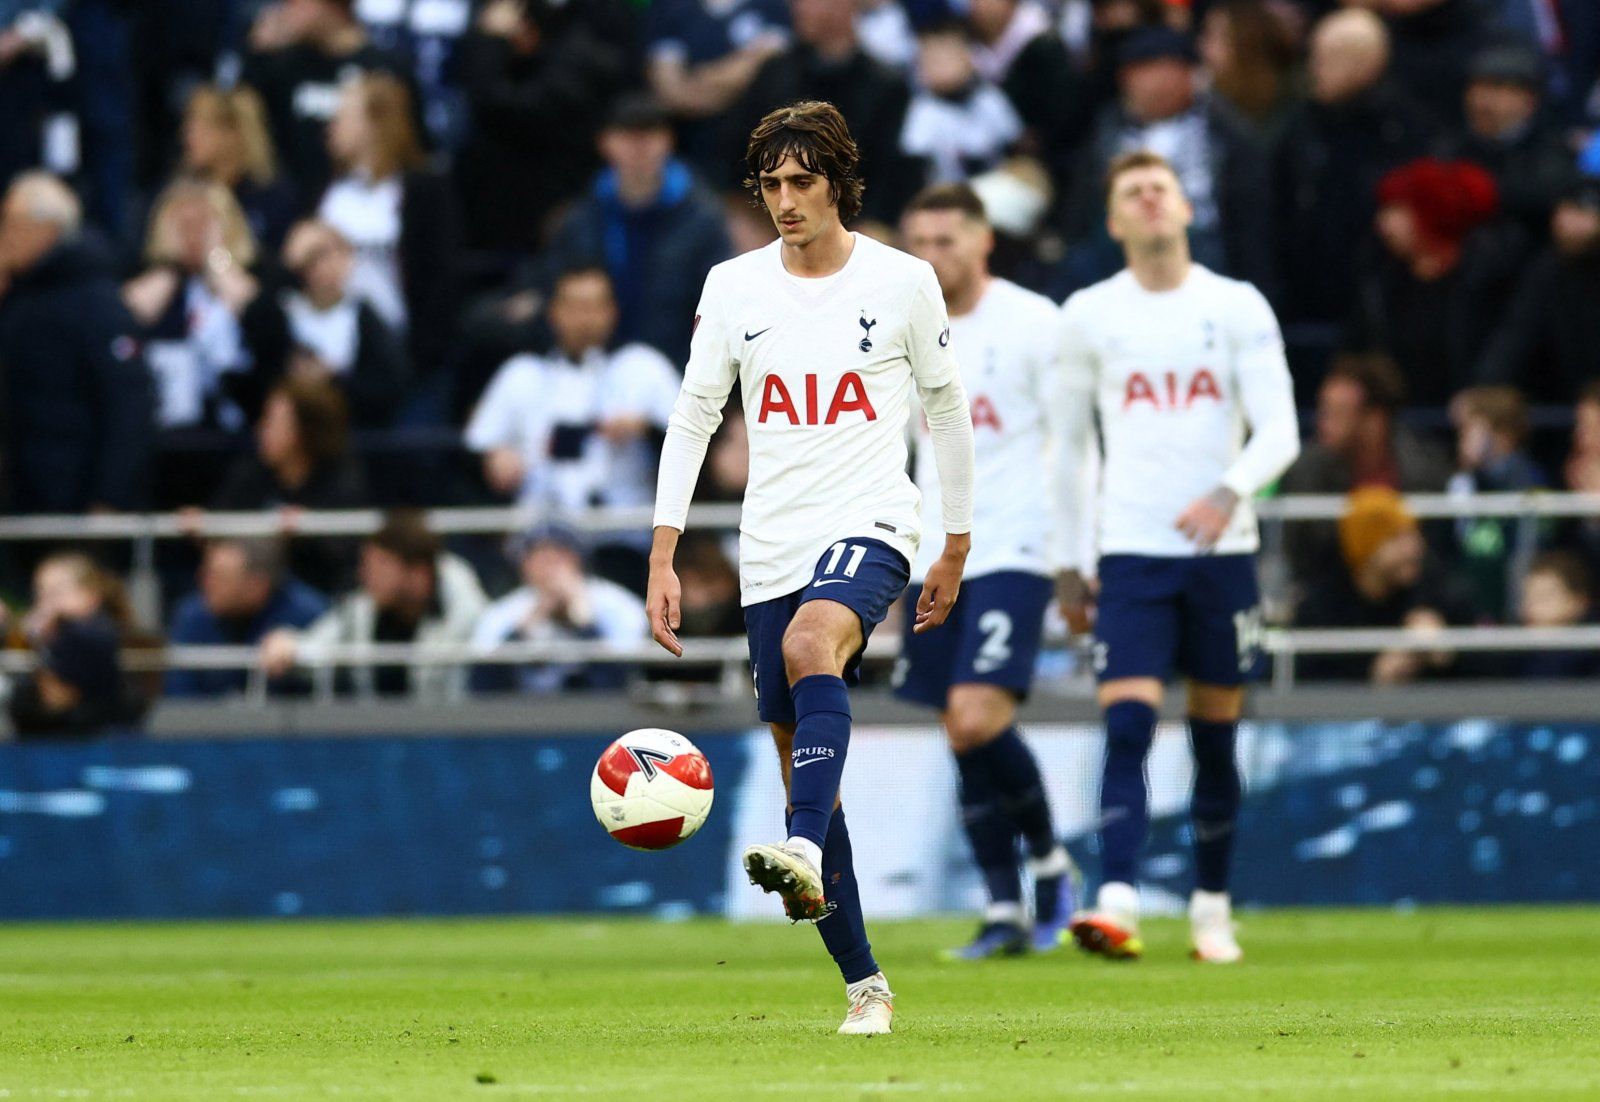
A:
[957,246]
[800,202]
[1148,207]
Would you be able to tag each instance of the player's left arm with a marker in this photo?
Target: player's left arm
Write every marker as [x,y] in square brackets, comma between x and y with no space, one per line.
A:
[1266,392]
[944,402]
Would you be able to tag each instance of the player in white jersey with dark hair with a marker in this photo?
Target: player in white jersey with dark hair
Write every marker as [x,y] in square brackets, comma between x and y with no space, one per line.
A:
[980,665]
[827,333]
[1181,365]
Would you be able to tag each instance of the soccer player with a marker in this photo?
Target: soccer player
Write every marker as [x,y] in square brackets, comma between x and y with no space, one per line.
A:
[826,332]
[977,668]
[1179,362]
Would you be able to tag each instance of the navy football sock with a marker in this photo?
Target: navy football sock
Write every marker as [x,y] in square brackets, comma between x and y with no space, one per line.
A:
[1016,775]
[1124,818]
[821,736]
[844,928]
[989,829]
[1215,806]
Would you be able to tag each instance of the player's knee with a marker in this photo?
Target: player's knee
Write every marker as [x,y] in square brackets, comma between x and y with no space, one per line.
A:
[1141,690]
[971,722]
[1216,703]
[808,650]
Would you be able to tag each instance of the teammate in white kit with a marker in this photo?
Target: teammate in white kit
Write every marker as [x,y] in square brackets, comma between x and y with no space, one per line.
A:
[981,664]
[826,332]
[1179,362]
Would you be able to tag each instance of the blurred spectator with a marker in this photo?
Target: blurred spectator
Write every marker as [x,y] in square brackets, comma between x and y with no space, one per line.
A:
[101,146]
[701,56]
[1387,581]
[539,82]
[654,229]
[1358,443]
[1015,47]
[1548,343]
[1358,440]
[1111,24]
[1582,475]
[826,62]
[1438,289]
[1249,50]
[243,594]
[558,601]
[428,33]
[411,591]
[1491,425]
[1557,592]
[321,331]
[79,623]
[301,53]
[958,123]
[1353,127]
[727,469]
[37,64]
[574,429]
[225,140]
[1506,132]
[302,461]
[888,30]
[1491,439]
[79,402]
[398,216]
[199,254]
[1222,166]
[1433,41]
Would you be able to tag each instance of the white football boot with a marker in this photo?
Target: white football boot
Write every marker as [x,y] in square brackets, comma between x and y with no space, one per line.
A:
[1211,928]
[871,1007]
[788,870]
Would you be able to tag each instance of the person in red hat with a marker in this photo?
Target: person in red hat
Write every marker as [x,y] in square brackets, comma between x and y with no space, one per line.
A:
[1437,288]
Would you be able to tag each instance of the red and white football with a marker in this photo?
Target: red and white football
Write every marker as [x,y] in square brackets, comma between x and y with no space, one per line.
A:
[651,789]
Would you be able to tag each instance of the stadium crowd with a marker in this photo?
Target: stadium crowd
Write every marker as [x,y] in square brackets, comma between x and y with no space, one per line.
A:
[312,254]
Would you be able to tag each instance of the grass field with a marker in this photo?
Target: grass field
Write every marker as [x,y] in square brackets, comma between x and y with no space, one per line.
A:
[1492,1004]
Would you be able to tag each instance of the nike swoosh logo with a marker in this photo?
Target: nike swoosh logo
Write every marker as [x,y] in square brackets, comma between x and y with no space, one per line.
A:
[830,581]
[752,336]
[944,339]
[808,761]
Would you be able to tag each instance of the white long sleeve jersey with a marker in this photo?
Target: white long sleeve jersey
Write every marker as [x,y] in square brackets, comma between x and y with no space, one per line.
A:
[826,369]
[1178,377]
[1007,349]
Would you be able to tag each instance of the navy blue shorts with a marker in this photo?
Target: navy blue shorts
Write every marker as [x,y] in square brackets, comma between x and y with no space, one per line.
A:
[864,575]
[1200,617]
[991,638]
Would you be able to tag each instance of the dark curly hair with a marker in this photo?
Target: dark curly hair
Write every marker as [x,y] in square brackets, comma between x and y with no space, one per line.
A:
[815,134]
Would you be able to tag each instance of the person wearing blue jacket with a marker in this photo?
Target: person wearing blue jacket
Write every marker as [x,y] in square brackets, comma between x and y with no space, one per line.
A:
[243,594]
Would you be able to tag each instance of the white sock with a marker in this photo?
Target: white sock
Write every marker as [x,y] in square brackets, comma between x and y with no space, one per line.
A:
[1119,900]
[1210,905]
[1054,863]
[1009,913]
[806,846]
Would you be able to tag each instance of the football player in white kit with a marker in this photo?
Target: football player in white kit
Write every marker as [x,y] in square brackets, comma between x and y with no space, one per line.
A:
[1179,362]
[977,669]
[826,332]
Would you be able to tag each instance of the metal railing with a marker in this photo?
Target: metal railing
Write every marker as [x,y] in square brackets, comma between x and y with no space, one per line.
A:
[144,530]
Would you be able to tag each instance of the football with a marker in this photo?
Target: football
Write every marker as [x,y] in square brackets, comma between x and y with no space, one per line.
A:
[651,789]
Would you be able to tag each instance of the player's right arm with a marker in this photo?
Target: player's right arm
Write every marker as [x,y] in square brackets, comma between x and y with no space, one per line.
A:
[707,380]
[1070,412]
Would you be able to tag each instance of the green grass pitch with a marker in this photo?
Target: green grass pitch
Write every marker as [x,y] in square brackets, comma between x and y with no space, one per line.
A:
[1489,1003]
